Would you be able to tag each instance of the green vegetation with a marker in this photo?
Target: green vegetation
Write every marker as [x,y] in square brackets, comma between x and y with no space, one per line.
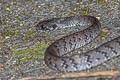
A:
[103,34]
[85,10]
[9,33]
[32,53]
[100,2]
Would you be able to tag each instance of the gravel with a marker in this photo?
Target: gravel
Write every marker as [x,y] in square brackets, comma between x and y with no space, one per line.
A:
[18,36]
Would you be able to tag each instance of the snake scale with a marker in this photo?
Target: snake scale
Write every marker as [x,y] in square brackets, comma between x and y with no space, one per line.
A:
[54,54]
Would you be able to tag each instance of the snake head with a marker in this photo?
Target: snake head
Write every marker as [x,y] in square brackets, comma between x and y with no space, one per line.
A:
[46,25]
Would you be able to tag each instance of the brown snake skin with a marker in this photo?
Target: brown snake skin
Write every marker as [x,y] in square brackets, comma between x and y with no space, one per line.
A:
[54,54]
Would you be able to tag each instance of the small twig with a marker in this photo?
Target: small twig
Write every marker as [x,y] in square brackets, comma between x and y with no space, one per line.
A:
[74,75]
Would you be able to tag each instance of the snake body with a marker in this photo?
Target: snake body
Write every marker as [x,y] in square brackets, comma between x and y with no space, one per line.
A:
[54,54]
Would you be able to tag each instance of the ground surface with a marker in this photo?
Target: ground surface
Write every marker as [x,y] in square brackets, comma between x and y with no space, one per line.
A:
[22,47]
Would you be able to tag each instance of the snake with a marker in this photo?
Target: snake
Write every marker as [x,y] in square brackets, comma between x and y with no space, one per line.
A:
[54,56]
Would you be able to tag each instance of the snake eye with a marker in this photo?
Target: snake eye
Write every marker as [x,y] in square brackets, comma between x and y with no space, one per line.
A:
[39,27]
[48,27]
[45,26]
[54,26]
[42,27]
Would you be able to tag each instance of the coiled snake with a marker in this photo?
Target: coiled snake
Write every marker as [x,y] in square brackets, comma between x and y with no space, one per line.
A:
[54,54]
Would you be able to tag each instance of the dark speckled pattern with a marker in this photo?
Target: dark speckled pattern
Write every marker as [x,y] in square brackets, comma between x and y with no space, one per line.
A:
[54,53]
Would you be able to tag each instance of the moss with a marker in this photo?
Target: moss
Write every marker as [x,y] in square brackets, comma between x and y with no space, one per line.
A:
[103,34]
[29,33]
[9,33]
[85,10]
[100,2]
[34,53]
